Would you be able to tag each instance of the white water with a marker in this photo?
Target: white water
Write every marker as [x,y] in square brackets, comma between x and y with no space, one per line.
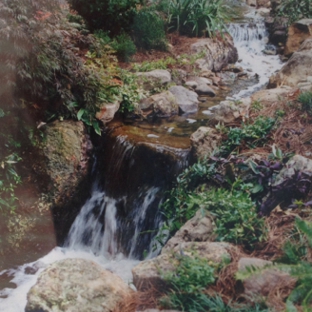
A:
[250,40]
[86,239]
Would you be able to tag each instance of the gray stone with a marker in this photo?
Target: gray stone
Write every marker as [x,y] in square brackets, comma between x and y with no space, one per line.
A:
[270,96]
[191,83]
[227,111]
[203,89]
[187,100]
[151,273]
[297,163]
[218,53]
[200,228]
[296,69]
[77,285]
[265,281]
[154,78]
[204,141]
[162,105]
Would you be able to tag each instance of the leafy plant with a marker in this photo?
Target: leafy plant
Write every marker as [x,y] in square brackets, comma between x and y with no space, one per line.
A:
[149,30]
[198,17]
[305,98]
[251,134]
[295,10]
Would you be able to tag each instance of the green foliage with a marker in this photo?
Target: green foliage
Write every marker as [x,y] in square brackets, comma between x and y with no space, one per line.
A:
[124,47]
[149,30]
[198,17]
[46,68]
[188,284]
[305,98]
[235,214]
[188,281]
[115,16]
[295,10]
[252,134]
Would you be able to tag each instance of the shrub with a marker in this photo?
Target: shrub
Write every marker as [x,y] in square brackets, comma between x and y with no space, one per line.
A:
[124,47]
[115,16]
[149,30]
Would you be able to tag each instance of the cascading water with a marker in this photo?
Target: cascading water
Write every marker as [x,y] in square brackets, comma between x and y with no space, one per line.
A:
[251,39]
[121,218]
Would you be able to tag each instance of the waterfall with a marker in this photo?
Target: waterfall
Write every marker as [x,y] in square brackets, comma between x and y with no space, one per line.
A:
[251,39]
[122,216]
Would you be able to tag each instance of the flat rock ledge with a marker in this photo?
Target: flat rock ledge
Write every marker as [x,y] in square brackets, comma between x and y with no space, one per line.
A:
[78,285]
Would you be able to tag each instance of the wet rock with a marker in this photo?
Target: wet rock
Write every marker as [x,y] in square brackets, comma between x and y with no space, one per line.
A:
[297,34]
[277,27]
[77,285]
[203,89]
[227,111]
[161,105]
[150,273]
[297,68]
[218,53]
[204,141]
[265,282]
[67,152]
[187,100]
[107,112]
[198,229]
[154,78]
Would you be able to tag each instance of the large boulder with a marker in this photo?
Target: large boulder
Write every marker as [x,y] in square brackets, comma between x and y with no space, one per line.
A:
[78,285]
[270,96]
[266,281]
[151,273]
[187,100]
[161,105]
[227,111]
[67,150]
[297,33]
[204,141]
[297,68]
[217,53]
[153,79]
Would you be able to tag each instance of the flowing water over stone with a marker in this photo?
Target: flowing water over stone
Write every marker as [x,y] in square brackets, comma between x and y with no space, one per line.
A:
[117,225]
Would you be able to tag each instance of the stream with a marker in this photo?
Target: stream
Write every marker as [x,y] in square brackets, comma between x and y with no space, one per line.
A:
[117,225]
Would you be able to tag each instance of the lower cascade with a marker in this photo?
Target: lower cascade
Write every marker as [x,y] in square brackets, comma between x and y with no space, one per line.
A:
[118,223]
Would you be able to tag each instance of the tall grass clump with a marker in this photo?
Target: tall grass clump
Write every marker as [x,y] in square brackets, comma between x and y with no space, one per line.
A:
[198,17]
